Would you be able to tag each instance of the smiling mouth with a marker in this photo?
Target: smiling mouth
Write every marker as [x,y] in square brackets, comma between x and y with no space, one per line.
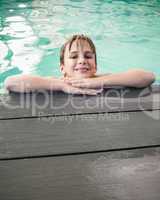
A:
[82,69]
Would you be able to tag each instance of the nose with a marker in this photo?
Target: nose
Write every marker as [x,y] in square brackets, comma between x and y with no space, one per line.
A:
[81,59]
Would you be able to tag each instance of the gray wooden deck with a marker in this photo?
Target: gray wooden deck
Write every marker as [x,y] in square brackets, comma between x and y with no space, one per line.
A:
[59,146]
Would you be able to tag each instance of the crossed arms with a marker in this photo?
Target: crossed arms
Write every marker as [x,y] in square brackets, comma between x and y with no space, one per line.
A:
[92,86]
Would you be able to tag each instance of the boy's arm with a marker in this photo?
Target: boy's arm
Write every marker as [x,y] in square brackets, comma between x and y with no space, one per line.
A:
[131,78]
[29,83]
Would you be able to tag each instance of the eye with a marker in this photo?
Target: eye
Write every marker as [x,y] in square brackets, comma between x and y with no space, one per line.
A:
[88,56]
[73,56]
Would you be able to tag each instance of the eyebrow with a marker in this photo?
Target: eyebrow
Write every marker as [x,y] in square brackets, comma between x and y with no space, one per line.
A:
[84,52]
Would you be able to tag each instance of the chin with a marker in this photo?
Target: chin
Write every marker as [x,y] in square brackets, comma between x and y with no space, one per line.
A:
[83,75]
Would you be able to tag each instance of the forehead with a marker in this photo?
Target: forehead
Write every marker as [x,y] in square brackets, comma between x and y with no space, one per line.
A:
[79,45]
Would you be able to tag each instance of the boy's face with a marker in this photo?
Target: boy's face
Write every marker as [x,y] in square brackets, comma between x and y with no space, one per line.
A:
[79,62]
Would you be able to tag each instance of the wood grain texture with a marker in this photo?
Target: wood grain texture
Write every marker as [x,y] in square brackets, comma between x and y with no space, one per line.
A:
[111,100]
[118,175]
[125,175]
[80,133]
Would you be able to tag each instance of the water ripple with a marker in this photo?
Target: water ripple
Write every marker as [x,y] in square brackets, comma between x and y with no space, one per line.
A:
[126,33]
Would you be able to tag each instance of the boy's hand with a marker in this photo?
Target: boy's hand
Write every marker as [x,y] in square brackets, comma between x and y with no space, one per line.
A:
[68,88]
[90,83]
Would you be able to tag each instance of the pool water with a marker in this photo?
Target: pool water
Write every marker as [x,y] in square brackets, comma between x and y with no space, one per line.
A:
[126,34]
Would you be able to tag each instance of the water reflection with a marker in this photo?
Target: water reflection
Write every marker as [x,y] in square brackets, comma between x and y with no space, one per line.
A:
[18,32]
[32,32]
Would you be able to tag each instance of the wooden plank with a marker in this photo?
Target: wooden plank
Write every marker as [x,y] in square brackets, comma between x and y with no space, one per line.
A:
[80,133]
[125,175]
[111,100]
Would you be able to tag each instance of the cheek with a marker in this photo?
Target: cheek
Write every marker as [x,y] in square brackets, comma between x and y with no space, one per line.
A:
[69,64]
[93,64]
[72,63]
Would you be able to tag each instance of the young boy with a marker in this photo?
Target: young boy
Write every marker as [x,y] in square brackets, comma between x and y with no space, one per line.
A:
[78,64]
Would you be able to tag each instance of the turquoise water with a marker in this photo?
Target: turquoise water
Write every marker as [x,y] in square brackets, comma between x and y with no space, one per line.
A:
[126,34]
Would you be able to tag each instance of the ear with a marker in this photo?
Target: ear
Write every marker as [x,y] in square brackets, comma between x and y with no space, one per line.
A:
[62,69]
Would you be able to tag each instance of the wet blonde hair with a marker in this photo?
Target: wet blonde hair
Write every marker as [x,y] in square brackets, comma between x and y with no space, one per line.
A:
[70,42]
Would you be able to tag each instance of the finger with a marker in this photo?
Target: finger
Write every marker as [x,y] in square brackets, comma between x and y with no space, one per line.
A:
[80,85]
[74,81]
[88,93]
[71,80]
[85,85]
[100,90]
[75,90]
[92,91]
[96,90]
[82,91]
